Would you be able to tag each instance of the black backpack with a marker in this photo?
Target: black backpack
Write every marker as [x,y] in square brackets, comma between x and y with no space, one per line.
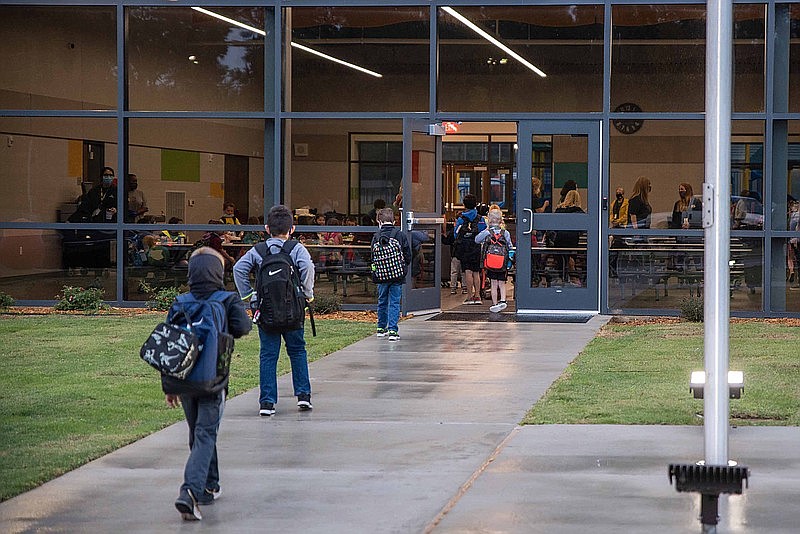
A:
[466,249]
[281,303]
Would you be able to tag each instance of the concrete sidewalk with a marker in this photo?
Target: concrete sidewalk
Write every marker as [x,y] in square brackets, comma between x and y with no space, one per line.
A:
[421,435]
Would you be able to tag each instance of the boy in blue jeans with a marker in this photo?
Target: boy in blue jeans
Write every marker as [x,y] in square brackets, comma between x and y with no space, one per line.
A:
[389,292]
[204,410]
[280,224]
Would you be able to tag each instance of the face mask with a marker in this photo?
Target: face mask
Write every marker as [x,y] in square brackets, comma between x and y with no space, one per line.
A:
[619,196]
[108,180]
[682,194]
[133,186]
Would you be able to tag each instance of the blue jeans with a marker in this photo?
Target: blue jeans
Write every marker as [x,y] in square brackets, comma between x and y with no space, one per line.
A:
[389,305]
[203,414]
[268,369]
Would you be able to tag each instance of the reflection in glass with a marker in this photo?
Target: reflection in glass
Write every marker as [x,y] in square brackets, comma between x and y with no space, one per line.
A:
[558,259]
[37,264]
[392,42]
[184,59]
[563,41]
[50,162]
[58,57]
[342,167]
[188,168]
[658,57]
[660,272]
[560,163]
[423,258]
[749,28]
[794,57]
[786,275]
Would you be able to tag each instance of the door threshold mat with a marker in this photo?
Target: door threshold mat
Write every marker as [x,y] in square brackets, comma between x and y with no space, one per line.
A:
[482,317]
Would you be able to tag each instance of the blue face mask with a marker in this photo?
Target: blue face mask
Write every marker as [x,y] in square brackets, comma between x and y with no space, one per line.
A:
[108,180]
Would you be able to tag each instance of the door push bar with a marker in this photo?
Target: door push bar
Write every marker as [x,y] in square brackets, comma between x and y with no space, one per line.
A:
[411,220]
[530,224]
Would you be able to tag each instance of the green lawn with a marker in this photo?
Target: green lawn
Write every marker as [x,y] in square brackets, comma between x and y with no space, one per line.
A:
[73,388]
[640,375]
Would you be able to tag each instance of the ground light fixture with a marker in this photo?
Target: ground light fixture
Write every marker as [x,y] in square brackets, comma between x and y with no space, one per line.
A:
[294,45]
[480,31]
[697,383]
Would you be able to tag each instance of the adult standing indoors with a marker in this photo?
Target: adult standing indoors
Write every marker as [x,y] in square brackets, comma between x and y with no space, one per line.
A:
[639,208]
[619,210]
[569,185]
[137,203]
[684,206]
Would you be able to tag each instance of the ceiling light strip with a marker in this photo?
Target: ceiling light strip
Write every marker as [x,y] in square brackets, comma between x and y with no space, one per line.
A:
[295,45]
[472,26]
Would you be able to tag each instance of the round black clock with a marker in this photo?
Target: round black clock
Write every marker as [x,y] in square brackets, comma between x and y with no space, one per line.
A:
[628,126]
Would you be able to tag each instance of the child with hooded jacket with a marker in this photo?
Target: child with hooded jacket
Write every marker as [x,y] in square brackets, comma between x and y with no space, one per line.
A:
[203,410]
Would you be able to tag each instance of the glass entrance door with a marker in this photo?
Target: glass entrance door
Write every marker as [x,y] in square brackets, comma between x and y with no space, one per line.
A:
[421,216]
[558,209]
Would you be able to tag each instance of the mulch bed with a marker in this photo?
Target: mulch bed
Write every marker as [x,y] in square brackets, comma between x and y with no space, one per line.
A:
[359,316]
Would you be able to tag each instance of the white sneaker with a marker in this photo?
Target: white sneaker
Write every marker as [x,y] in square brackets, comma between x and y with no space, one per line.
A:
[500,306]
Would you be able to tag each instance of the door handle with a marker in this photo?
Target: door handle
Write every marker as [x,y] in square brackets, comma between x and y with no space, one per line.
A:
[530,226]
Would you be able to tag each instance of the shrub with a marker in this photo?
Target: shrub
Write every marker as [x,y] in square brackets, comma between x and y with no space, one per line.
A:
[6,300]
[327,303]
[692,309]
[160,298]
[78,298]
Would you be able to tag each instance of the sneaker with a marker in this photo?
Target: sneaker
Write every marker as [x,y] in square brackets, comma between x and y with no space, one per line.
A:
[453,291]
[381,332]
[476,300]
[394,336]
[469,300]
[186,504]
[209,496]
[304,402]
[497,308]
[464,290]
[267,409]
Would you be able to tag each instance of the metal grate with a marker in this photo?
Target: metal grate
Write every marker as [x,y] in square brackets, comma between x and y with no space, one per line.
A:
[176,204]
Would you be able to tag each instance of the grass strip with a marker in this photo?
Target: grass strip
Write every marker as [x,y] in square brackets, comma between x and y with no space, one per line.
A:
[639,375]
[73,388]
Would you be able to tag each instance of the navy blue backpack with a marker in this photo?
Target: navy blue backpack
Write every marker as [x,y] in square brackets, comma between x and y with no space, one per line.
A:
[209,323]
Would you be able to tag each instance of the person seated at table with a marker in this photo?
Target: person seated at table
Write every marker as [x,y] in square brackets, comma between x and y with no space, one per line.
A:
[99,204]
[216,241]
[157,255]
[685,207]
[228,214]
[174,236]
[252,237]
[330,256]
[569,239]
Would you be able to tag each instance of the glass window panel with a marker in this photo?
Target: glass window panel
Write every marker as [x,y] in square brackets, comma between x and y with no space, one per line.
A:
[660,272]
[794,60]
[786,187]
[187,168]
[560,164]
[423,259]
[180,58]
[785,282]
[48,163]
[670,155]
[424,174]
[331,177]
[393,43]
[58,57]
[37,264]
[658,57]
[749,28]
[342,270]
[565,42]
[558,259]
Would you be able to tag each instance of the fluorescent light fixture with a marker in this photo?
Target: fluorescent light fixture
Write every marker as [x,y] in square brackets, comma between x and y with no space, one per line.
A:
[295,45]
[336,60]
[477,29]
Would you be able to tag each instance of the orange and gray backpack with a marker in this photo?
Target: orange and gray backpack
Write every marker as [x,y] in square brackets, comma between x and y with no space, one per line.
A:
[495,251]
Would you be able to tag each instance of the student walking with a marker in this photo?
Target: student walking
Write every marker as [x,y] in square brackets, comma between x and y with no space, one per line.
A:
[497,243]
[203,406]
[391,256]
[283,265]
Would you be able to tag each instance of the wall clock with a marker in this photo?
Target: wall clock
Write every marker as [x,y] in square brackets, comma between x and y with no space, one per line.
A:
[628,126]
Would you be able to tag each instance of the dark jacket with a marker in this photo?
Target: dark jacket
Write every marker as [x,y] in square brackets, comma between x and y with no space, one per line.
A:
[386,230]
[94,204]
[206,274]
